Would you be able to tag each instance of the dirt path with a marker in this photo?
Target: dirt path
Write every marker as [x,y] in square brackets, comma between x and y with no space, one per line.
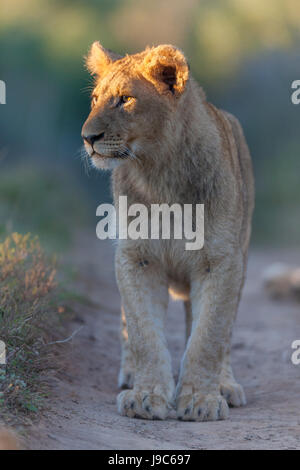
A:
[83,415]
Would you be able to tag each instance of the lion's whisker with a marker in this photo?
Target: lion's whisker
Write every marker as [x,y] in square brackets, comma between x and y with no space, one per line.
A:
[128,152]
[84,157]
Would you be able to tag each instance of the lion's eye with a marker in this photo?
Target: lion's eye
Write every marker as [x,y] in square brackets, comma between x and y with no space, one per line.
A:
[124,99]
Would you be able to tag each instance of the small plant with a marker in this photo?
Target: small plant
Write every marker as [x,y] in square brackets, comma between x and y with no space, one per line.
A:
[29,314]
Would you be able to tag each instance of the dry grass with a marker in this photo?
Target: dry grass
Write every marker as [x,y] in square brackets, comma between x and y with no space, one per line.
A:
[29,313]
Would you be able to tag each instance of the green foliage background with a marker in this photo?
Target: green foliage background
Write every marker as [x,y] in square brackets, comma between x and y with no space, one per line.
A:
[244,52]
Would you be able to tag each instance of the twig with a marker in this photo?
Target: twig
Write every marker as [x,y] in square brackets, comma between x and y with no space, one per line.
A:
[67,339]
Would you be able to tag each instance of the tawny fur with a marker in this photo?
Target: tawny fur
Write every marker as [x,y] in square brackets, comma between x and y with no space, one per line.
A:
[167,144]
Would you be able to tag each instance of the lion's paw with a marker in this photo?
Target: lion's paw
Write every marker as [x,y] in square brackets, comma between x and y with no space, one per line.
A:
[143,404]
[233,393]
[199,407]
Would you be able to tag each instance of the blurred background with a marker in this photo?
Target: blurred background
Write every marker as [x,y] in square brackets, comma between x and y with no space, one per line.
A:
[245,53]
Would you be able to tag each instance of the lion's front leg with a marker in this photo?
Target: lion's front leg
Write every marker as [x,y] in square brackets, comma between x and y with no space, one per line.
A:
[214,304]
[145,298]
[126,375]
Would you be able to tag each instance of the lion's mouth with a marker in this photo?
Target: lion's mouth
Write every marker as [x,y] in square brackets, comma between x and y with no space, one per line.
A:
[119,154]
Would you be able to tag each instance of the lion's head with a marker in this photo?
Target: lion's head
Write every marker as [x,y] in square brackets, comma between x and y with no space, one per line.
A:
[134,100]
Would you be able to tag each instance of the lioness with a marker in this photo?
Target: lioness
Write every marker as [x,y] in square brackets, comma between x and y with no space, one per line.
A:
[151,123]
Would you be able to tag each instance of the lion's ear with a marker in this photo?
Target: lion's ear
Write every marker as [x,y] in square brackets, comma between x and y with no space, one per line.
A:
[166,67]
[99,58]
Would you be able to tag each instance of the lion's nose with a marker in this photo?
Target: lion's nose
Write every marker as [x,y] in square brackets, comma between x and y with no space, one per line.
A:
[92,138]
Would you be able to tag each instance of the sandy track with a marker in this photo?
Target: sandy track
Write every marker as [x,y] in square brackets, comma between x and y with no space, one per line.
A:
[83,415]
